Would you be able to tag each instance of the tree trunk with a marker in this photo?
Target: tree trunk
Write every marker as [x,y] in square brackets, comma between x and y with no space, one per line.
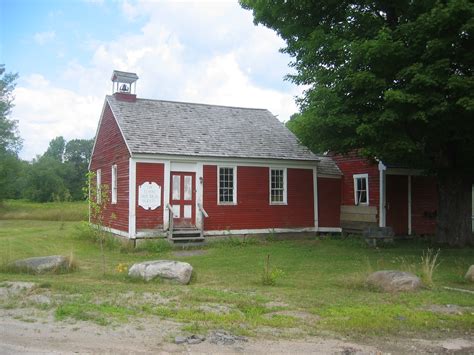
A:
[454,209]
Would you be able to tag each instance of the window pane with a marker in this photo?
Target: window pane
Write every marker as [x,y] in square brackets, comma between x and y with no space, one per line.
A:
[176,187]
[188,182]
[226,185]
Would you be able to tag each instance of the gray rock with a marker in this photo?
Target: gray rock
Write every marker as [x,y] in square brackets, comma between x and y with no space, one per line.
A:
[394,281]
[180,339]
[42,264]
[176,271]
[195,339]
[470,274]
[221,337]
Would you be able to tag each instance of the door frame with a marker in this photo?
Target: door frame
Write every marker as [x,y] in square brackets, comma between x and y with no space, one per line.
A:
[182,221]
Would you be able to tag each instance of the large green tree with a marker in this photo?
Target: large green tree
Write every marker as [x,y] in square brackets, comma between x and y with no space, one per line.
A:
[10,142]
[391,79]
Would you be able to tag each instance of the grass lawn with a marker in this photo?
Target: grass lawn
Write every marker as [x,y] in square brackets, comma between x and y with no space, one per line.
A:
[50,211]
[322,288]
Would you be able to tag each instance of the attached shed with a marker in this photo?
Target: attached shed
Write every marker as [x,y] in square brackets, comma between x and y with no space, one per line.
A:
[175,167]
[375,193]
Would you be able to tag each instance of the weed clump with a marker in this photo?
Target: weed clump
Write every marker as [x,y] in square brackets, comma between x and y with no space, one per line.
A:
[270,275]
[428,266]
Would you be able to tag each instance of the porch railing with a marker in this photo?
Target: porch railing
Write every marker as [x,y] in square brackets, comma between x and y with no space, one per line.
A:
[170,220]
[203,215]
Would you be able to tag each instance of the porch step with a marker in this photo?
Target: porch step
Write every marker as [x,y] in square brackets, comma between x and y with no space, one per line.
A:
[186,235]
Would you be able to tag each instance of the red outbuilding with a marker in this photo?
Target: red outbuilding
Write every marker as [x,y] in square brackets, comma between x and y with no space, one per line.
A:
[185,169]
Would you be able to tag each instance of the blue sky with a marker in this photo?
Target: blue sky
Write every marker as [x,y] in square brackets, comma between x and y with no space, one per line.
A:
[65,52]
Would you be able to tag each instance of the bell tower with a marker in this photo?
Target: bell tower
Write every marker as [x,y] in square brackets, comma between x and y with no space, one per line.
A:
[124,85]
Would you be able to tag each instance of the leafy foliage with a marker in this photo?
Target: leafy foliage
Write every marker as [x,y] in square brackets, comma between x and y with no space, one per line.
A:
[390,79]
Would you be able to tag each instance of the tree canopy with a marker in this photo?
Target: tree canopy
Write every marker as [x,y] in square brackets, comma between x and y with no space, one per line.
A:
[390,79]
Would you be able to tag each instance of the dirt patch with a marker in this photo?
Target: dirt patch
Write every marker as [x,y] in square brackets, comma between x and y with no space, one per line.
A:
[450,309]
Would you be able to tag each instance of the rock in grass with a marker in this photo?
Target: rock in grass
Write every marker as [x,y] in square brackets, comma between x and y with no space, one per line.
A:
[42,264]
[169,270]
[470,274]
[394,281]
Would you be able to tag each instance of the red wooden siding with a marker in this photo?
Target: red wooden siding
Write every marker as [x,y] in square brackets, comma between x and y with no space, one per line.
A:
[329,202]
[352,164]
[253,210]
[110,149]
[424,204]
[149,219]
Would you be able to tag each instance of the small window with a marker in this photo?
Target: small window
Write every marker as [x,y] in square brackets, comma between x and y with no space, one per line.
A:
[98,186]
[361,189]
[227,184]
[278,186]
[114,183]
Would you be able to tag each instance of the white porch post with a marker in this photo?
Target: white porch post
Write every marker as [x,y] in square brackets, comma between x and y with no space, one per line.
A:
[166,193]
[132,181]
[382,189]
[199,193]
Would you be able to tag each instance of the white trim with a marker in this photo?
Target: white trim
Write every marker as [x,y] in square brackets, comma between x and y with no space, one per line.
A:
[315,197]
[166,191]
[361,176]
[180,167]
[403,171]
[234,189]
[199,184]
[285,186]
[409,204]
[330,229]
[132,195]
[382,184]
[259,231]
[304,164]
[112,230]
[114,183]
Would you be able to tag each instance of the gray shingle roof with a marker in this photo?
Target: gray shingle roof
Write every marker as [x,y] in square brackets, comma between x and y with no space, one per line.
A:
[178,128]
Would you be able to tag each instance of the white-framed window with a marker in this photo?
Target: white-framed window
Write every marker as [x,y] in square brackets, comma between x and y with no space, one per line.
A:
[98,186]
[361,189]
[114,183]
[278,186]
[227,185]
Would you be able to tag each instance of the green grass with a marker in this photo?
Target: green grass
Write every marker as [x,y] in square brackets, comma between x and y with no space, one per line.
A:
[324,278]
[49,211]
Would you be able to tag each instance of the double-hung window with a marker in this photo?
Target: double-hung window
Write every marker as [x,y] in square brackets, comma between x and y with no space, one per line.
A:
[278,190]
[114,183]
[98,186]
[227,185]
[361,189]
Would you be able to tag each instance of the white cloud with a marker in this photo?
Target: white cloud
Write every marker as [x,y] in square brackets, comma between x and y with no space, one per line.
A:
[42,38]
[45,112]
[197,52]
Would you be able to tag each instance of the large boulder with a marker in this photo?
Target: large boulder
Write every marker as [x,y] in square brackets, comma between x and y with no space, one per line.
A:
[42,264]
[169,270]
[470,274]
[394,281]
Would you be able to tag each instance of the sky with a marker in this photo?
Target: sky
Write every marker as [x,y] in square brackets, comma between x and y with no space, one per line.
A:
[194,51]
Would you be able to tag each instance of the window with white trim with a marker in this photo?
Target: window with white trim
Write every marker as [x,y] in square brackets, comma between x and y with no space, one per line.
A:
[227,185]
[114,183]
[98,186]
[278,186]
[361,189]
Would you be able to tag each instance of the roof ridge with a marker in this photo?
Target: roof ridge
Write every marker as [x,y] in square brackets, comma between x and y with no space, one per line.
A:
[199,104]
